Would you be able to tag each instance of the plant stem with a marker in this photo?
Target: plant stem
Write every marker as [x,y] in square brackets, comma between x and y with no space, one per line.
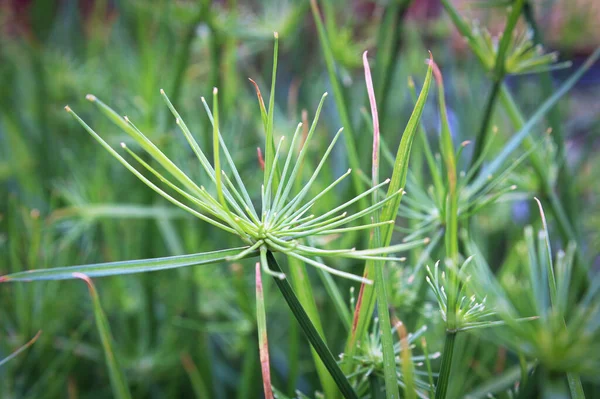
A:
[310,331]
[303,289]
[263,341]
[388,45]
[375,387]
[575,386]
[567,194]
[498,76]
[485,123]
[444,378]
[342,106]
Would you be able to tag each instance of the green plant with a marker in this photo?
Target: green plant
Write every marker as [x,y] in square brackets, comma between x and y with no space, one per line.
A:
[439,296]
[282,221]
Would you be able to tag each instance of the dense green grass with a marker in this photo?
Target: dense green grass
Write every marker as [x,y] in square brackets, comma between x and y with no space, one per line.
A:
[474,290]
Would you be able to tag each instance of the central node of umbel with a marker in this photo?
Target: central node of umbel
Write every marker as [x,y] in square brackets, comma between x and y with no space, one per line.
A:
[262,232]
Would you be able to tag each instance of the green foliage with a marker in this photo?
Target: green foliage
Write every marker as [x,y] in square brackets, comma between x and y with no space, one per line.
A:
[421,282]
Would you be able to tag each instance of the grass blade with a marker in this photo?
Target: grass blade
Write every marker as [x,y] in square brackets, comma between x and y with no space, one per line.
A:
[338,95]
[366,303]
[198,384]
[126,267]
[21,349]
[117,379]
[387,343]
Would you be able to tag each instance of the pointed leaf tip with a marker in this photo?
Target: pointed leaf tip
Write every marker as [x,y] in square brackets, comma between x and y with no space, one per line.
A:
[90,97]
[68,109]
[437,74]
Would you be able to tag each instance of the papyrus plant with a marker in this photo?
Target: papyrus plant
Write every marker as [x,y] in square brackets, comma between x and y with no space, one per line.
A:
[283,223]
[283,219]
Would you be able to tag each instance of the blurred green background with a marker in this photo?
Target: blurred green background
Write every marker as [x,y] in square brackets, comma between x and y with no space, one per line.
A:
[64,201]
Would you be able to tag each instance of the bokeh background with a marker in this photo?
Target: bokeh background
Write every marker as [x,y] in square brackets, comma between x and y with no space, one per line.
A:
[64,201]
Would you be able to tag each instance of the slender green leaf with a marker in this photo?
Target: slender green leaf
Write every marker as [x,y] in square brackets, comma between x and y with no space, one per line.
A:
[387,343]
[117,379]
[366,303]
[200,388]
[127,267]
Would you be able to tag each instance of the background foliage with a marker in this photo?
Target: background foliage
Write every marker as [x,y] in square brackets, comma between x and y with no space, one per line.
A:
[193,331]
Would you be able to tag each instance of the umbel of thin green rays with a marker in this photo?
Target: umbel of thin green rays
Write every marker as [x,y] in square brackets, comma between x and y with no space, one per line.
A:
[285,216]
[369,361]
[565,335]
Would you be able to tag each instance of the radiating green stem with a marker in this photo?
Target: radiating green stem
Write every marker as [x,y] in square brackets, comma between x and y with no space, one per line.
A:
[310,331]
[444,377]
